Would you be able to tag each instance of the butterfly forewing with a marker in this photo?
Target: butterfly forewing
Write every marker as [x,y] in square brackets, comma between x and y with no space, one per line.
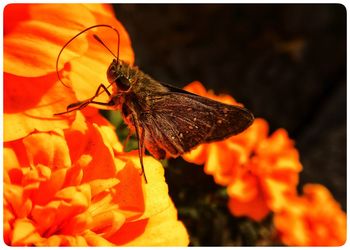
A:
[228,119]
[168,125]
[178,121]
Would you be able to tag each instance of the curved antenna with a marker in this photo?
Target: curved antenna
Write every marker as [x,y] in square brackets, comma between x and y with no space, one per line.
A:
[96,37]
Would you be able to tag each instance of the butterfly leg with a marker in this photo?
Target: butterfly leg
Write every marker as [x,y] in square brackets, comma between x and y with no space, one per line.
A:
[83,104]
[140,135]
[127,138]
[110,103]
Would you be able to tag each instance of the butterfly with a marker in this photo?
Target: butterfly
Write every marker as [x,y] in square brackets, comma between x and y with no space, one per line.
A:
[168,121]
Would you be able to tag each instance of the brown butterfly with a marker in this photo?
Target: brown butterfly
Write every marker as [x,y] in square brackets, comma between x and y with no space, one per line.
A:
[168,121]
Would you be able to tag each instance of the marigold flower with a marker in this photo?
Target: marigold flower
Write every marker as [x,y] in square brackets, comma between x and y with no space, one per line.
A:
[67,180]
[260,171]
[75,187]
[314,219]
[268,180]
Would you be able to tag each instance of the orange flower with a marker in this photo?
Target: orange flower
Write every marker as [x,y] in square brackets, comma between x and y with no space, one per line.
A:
[66,179]
[314,219]
[33,37]
[260,172]
[76,187]
[222,159]
[268,180]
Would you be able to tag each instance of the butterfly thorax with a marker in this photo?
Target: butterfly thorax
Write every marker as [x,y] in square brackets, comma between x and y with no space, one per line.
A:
[133,89]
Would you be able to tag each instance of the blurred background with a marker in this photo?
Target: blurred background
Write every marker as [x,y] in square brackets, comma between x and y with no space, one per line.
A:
[286,63]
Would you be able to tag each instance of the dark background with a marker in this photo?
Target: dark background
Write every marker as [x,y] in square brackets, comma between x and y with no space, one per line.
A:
[286,63]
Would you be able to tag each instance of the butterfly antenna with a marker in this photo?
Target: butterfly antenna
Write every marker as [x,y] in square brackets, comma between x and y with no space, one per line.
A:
[96,37]
[104,45]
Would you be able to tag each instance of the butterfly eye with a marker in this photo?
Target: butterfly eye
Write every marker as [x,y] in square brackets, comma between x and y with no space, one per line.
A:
[112,72]
[123,83]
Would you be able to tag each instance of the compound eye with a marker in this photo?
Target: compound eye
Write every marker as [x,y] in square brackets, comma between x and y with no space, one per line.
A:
[123,83]
[112,73]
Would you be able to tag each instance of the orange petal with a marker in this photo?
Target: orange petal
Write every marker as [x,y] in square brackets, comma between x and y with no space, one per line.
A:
[197,155]
[107,132]
[99,185]
[107,223]
[252,136]
[255,209]
[30,105]
[100,9]
[45,216]
[223,160]
[89,71]
[64,240]
[78,136]
[76,196]
[32,46]
[322,225]
[153,196]
[101,164]
[55,215]
[246,197]
[94,239]
[12,173]
[48,189]
[196,87]
[277,192]
[47,149]
[244,188]
[162,229]
[20,204]
[24,233]
[130,196]
[128,232]
[11,17]
[104,13]
[9,218]
[290,222]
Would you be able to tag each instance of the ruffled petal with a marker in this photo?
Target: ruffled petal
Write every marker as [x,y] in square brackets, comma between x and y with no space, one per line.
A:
[24,233]
[197,155]
[30,105]
[246,197]
[154,231]
[150,199]
[223,161]
[17,200]
[244,188]
[55,153]
[322,225]
[41,39]
[277,192]
[255,209]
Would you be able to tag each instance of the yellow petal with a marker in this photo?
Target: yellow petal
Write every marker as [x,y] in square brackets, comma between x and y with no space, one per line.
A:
[94,239]
[24,233]
[162,229]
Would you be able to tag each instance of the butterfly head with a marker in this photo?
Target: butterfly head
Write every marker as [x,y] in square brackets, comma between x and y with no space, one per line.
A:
[116,75]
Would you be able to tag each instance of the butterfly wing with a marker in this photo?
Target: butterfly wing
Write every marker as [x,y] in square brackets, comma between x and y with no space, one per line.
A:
[179,121]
